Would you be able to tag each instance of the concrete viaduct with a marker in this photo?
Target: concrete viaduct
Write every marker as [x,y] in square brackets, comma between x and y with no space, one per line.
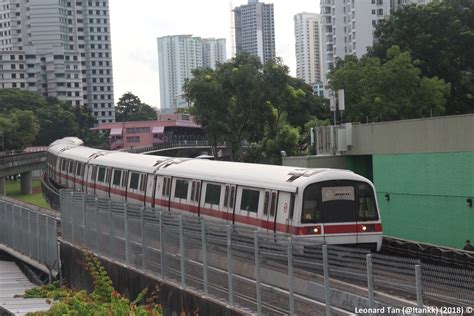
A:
[23,164]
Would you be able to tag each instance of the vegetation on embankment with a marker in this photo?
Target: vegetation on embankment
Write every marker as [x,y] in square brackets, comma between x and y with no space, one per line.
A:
[103,300]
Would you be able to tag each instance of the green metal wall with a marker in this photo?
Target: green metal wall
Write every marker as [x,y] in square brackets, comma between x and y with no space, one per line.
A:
[428,195]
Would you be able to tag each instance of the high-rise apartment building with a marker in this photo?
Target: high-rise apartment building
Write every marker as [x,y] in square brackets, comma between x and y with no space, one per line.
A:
[213,52]
[347,26]
[255,29]
[59,48]
[177,56]
[307,47]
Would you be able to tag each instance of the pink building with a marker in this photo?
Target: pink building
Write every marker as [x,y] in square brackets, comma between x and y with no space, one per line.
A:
[167,128]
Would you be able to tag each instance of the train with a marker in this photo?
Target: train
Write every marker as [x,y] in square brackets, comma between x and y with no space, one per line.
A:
[332,206]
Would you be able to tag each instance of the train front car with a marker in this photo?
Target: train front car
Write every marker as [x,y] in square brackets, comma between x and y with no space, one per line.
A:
[339,207]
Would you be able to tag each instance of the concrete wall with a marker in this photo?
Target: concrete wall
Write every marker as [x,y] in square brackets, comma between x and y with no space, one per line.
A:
[438,134]
[428,194]
[359,164]
[129,283]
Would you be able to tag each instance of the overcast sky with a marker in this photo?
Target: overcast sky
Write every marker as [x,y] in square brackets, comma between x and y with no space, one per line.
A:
[136,25]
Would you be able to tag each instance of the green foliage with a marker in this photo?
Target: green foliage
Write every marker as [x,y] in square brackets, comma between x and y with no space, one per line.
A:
[27,118]
[130,108]
[392,90]
[104,300]
[19,128]
[440,37]
[261,104]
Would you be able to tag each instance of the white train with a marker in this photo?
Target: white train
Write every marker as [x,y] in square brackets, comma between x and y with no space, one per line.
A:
[335,206]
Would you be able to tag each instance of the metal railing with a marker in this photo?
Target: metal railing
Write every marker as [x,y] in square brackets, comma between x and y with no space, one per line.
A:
[259,272]
[30,234]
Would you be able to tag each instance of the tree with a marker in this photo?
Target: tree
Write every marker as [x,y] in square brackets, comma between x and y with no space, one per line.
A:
[130,108]
[440,37]
[392,90]
[19,129]
[14,99]
[261,104]
[53,119]
[228,102]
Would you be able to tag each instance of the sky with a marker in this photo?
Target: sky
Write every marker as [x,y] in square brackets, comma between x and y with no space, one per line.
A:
[136,25]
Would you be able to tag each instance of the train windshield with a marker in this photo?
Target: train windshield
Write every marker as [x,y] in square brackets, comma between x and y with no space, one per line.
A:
[338,201]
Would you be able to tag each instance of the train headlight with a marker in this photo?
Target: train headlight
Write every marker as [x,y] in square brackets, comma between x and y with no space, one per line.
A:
[364,228]
[315,230]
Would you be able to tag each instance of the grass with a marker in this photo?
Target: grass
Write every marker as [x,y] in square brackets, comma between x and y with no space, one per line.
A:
[13,191]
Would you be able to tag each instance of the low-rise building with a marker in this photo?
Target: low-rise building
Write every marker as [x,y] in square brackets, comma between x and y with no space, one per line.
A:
[167,128]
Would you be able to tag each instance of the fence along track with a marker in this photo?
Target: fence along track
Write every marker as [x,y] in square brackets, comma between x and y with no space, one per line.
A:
[139,236]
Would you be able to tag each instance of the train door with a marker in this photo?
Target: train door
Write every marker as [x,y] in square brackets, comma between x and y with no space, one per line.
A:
[270,203]
[165,192]
[101,184]
[60,174]
[195,197]
[117,191]
[181,195]
[150,191]
[79,177]
[70,183]
[91,177]
[248,202]
[212,200]
[229,201]
[136,188]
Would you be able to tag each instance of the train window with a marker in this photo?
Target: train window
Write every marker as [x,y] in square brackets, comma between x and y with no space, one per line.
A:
[168,189]
[63,165]
[124,179]
[193,189]
[265,203]
[94,172]
[71,167]
[163,191]
[367,210]
[101,174]
[249,200]
[144,177]
[134,181]
[226,196]
[338,201]
[273,204]
[292,205]
[311,205]
[213,194]
[117,177]
[232,197]
[79,169]
[198,191]
[181,189]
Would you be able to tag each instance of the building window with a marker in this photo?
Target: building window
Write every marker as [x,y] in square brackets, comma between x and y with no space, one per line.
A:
[133,139]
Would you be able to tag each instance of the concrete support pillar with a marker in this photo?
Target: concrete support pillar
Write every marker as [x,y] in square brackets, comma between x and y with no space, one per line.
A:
[3,186]
[26,183]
